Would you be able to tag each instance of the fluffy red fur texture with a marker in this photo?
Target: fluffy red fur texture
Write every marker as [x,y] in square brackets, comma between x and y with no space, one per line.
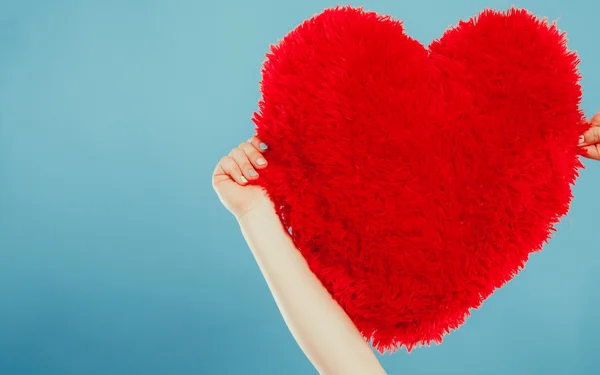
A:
[415,181]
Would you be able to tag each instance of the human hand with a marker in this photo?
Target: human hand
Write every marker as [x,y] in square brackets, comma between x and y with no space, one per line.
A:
[232,174]
[590,141]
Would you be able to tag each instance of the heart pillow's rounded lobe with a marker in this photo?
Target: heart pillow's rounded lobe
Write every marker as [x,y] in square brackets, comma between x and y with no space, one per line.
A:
[417,181]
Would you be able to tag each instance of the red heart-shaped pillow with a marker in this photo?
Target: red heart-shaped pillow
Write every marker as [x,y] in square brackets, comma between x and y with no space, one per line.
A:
[417,181]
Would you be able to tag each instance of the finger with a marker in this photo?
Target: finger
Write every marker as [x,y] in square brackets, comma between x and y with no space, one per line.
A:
[258,144]
[255,157]
[229,167]
[239,156]
[593,151]
[595,121]
[591,137]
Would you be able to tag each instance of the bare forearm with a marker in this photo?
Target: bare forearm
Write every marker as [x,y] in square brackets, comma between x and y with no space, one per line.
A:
[320,326]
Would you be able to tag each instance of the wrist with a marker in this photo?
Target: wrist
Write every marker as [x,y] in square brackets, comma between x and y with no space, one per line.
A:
[258,209]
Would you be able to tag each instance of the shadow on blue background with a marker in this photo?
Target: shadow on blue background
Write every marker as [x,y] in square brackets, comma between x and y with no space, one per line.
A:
[115,255]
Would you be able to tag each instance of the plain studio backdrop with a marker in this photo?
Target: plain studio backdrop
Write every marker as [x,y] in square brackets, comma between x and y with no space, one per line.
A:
[117,258]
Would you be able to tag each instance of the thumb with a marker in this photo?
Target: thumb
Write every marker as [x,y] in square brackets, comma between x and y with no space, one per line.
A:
[593,151]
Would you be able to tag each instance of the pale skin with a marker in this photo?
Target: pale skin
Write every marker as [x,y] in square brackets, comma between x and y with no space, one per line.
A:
[590,141]
[320,326]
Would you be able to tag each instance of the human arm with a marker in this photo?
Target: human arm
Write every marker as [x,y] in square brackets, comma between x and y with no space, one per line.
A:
[320,326]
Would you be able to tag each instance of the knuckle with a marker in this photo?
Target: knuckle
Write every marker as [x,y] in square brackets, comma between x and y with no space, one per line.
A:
[227,163]
[236,153]
[596,135]
[248,148]
[256,142]
[253,141]
[252,154]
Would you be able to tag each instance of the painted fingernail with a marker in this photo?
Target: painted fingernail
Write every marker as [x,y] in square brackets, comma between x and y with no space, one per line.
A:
[581,140]
[261,161]
[252,173]
[263,146]
[243,179]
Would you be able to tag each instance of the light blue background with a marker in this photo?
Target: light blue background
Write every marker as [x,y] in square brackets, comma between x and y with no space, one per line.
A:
[115,255]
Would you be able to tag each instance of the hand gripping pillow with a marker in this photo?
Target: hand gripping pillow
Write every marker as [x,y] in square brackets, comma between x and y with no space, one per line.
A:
[415,181]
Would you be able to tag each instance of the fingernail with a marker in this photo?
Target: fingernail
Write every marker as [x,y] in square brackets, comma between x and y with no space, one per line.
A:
[263,146]
[252,173]
[581,140]
[261,161]
[243,179]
